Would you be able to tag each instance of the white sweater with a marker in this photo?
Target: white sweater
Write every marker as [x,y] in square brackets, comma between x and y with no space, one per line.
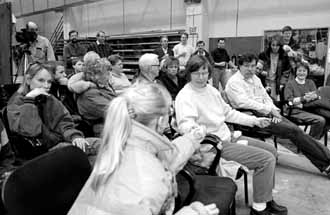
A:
[206,107]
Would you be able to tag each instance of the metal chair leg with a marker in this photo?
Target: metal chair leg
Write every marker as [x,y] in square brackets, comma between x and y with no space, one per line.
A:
[326,138]
[246,188]
[275,142]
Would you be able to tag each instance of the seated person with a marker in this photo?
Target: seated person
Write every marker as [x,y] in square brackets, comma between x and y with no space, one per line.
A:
[301,92]
[149,69]
[119,80]
[169,77]
[78,65]
[34,112]
[93,102]
[136,166]
[198,104]
[245,91]
[275,67]
[59,87]
[76,83]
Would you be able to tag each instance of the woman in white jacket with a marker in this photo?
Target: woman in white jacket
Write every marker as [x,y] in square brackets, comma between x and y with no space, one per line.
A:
[135,169]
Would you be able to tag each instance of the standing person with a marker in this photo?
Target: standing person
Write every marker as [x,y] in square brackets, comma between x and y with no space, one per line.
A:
[41,50]
[72,50]
[221,61]
[201,51]
[163,51]
[245,91]
[136,165]
[118,80]
[287,34]
[198,104]
[275,67]
[100,46]
[183,51]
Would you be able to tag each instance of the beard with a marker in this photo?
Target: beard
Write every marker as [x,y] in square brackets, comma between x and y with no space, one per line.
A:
[74,40]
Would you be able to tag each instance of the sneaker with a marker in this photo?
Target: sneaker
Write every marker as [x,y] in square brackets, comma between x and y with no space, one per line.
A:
[263,212]
[275,208]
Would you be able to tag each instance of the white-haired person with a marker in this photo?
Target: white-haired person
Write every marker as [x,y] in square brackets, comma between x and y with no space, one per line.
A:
[136,165]
[149,69]
[198,103]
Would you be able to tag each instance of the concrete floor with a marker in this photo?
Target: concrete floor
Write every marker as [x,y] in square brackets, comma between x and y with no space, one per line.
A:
[299,186]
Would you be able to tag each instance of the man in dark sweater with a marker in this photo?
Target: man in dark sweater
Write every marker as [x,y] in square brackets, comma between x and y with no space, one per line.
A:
[221,61]
[100,46]
[72,51]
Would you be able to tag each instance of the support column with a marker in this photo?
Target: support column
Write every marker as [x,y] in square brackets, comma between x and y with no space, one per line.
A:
[197,22]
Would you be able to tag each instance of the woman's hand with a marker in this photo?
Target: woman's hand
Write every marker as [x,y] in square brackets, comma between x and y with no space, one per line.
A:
[80,142]
[36,92]
[198,132]
[263,122]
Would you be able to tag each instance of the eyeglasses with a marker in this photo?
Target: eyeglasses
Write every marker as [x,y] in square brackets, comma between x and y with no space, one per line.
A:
[199,74]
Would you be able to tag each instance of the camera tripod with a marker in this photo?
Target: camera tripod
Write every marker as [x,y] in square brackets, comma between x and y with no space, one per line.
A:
[21,66]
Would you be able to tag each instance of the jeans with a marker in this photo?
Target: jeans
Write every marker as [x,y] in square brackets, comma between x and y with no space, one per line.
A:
[316,122]
[316,152]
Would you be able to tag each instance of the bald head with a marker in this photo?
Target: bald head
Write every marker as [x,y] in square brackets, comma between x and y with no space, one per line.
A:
[31,26]
[149,65]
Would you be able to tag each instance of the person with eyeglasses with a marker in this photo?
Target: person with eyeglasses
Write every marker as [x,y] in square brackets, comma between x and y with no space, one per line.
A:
[245,91]
[273,68]
[149,69]
[198,103]
[34,113]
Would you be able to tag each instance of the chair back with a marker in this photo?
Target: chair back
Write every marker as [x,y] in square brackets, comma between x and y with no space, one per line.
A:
[48,184]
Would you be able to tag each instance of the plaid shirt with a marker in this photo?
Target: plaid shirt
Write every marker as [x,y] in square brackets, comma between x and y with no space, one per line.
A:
[104,50]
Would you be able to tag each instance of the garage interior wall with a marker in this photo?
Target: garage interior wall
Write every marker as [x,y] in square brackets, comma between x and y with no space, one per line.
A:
[125,16]
[226,18]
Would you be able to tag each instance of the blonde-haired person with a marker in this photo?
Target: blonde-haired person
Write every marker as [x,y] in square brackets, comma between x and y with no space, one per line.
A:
[119,80]
[93,102]
[136,166]
[34,112]
[76,82]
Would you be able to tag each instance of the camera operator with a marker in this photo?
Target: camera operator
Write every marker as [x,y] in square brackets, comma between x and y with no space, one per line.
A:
[39,47]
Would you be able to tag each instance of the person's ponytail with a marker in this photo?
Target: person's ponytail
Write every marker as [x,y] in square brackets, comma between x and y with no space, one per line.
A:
[116,130]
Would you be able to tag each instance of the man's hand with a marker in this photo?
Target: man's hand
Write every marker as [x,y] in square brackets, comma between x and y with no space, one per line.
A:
[275,113]
[276,120]
[262,122]
[80,142]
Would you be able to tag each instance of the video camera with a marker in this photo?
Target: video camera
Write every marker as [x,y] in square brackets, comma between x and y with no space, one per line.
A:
[25,36]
